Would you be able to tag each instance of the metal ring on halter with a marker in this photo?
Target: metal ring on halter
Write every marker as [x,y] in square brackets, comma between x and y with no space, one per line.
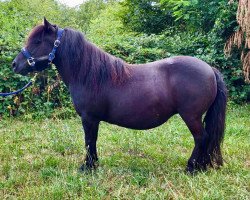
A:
[57,43]
[31,61]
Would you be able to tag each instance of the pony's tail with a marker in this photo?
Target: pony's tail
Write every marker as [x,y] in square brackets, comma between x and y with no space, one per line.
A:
[215,122]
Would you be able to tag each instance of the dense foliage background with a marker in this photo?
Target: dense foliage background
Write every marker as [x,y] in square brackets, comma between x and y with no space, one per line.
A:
[137,31]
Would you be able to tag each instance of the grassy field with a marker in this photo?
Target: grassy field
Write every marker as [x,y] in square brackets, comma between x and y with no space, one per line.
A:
[40,160]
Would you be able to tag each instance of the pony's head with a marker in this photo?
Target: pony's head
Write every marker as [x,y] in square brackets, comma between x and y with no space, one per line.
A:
[35,56]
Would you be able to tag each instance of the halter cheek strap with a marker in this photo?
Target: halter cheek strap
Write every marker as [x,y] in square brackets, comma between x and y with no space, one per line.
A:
[32,61]
[56,44]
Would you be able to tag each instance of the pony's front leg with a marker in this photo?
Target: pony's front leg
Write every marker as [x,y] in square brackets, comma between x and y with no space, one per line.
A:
[90,127]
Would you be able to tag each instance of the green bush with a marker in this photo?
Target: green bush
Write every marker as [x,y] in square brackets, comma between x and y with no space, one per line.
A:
[104,25]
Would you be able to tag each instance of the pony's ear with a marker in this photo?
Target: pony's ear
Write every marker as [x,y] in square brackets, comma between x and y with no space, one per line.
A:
[48,26]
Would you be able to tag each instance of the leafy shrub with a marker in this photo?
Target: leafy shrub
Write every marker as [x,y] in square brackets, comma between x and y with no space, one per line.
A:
[18,18]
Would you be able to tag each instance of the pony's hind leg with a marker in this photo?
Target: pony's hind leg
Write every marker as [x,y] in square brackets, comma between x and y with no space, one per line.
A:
[199,158]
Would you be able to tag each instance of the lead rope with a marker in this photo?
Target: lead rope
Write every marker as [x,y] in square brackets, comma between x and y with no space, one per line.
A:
[20,90]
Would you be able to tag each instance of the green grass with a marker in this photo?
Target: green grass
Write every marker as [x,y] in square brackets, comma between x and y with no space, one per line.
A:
[40,160]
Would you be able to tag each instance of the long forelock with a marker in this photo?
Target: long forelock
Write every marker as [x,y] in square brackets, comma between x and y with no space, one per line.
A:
[36,31]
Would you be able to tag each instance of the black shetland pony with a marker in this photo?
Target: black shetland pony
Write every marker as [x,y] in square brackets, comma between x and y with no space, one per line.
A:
[105,88]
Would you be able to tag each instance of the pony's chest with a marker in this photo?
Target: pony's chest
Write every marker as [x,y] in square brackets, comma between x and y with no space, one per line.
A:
[79,98]
[85,101]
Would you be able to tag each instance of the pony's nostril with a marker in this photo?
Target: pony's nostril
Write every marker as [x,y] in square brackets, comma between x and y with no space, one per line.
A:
[14,64]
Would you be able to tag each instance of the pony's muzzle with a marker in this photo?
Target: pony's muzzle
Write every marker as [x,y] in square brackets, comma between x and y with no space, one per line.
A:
[14,65]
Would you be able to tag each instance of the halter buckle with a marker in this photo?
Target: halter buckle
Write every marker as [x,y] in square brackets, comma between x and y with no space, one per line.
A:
[31,61]
[57,43]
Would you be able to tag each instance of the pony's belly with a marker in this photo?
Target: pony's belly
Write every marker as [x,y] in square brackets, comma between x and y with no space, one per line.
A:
[142,122]
[140,126]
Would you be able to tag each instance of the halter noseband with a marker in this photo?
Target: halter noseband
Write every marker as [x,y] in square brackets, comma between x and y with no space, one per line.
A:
[32,61]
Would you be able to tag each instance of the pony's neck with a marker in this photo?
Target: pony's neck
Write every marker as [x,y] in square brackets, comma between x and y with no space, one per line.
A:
[79,61]
[67,55]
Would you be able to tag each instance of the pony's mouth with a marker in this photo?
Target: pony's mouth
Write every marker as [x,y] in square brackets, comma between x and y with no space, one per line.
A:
[19,70]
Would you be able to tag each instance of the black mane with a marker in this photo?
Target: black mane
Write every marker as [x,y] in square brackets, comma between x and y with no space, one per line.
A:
[88,64]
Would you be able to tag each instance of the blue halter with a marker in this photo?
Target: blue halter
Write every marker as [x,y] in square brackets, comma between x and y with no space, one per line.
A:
[32,61]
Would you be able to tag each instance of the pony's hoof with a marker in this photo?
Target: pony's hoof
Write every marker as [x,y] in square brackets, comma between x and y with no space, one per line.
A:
[190,170]
[85,169]
[194,168]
